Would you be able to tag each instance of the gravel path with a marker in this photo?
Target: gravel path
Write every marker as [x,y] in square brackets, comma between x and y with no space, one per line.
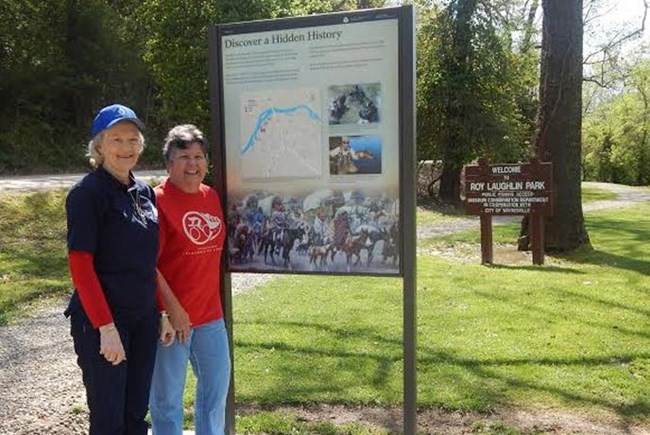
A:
[40,384]
[34,183]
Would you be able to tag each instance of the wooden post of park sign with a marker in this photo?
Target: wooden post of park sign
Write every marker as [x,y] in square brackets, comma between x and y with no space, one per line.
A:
[506,190]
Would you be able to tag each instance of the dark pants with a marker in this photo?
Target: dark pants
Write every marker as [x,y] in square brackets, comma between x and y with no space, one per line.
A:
[118,395]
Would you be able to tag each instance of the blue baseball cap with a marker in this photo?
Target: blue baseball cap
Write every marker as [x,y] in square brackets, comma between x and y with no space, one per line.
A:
[111,115]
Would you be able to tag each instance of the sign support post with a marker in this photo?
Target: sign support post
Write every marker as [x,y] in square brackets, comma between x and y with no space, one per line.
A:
[537,238]
[409,203]
[487,254]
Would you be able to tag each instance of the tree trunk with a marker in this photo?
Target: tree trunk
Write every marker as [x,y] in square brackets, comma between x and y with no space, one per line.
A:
[458,65]
[529,30]
[559,123]
[642,159]
[450,185]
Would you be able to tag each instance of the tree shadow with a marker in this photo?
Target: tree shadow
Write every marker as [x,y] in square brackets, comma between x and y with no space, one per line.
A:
[619,233]
[432,204]
[481,384]
[602,258]
[532,268]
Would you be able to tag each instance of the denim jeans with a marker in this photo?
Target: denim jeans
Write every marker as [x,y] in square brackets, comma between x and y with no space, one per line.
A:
[207,350]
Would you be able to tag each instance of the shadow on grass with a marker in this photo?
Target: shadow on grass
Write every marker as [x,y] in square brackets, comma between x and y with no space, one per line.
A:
[30,274]
[620,234]
[8,308]
[479,383]
[566,294]
[532,268]
[603,258]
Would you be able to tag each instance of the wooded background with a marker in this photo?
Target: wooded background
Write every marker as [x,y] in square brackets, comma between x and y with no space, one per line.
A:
[504,79]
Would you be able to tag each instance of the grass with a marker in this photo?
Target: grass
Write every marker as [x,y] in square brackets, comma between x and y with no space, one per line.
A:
[32,250]
[571,335]
[428,213]
[590,194]
[512,333]
[287,423]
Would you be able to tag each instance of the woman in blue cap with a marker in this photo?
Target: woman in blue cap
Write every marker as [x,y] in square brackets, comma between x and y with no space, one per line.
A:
[112,251]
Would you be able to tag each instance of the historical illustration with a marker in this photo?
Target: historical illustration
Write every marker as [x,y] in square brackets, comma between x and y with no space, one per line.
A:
[326,230]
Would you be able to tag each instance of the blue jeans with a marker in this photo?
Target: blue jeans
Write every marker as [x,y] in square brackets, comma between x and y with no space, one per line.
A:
[207,350]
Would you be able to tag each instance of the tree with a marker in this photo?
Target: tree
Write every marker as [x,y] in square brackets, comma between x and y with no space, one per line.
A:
[616,132]
[177,46]
[474,86]
[559,125]
[61,60]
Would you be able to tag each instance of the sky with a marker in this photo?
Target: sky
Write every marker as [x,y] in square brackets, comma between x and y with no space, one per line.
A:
[613,16]
[624,10]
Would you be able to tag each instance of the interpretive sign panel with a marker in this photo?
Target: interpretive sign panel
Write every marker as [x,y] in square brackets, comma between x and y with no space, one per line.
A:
[509,189]
[310,113]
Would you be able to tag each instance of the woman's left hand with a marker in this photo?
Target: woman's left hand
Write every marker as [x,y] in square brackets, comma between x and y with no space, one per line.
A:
[167,332]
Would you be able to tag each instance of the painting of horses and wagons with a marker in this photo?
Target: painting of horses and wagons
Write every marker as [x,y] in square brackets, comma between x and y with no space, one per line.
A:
[325,231]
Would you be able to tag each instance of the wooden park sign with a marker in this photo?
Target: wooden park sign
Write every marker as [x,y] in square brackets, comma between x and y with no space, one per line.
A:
[510,189]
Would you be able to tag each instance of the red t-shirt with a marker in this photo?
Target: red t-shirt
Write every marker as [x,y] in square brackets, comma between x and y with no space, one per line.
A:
[192,234]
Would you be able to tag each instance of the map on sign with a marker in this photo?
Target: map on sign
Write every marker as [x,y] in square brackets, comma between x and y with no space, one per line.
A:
[281,134]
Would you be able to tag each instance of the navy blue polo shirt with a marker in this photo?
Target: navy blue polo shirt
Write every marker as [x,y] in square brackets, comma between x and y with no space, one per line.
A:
[118,225]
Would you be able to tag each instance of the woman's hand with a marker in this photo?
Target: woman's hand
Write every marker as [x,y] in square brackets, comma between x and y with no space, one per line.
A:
[110,344]
[180,321]
[167,332]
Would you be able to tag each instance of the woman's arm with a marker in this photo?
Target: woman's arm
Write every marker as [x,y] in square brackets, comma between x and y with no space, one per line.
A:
[178,317]
[93,300]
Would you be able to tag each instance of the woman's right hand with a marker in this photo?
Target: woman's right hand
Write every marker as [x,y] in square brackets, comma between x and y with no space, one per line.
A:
[110,344]
[180,321]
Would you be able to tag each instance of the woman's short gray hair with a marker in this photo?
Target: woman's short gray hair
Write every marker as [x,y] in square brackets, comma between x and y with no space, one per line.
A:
[180,137]
[95,157]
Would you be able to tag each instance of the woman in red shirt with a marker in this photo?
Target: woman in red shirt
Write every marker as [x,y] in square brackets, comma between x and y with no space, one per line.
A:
[192,235]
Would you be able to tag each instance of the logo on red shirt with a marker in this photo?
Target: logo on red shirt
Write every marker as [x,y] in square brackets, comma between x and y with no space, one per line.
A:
[200,228]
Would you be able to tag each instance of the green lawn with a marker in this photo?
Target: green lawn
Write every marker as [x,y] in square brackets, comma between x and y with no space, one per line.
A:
[571,335]
[590,194]
[33,260]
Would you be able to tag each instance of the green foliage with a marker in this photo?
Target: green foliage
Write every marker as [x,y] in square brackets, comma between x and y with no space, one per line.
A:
[616,134]
[177,45]
[61,61]
[475,89]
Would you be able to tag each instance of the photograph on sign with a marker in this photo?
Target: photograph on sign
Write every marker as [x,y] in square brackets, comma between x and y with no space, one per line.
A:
[311,140]
[352,155]
[354,104]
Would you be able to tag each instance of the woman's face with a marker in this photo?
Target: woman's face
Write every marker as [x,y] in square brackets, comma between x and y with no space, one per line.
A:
[120,148]
[187,167]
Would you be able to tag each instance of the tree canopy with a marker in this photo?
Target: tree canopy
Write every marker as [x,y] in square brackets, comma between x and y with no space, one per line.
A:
[476,87]
[62,60]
